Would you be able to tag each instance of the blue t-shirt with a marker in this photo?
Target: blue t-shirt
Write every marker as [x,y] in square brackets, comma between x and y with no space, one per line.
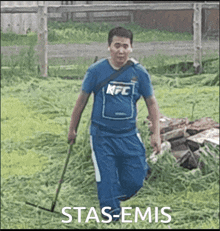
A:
[114,108]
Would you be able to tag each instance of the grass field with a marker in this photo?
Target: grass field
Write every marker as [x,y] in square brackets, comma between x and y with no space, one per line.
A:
[35,120]
[61,33]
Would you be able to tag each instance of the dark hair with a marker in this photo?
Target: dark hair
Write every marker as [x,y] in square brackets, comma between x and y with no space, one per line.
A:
[121,32]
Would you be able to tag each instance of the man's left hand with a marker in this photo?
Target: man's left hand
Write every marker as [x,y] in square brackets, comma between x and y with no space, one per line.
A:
[156,142]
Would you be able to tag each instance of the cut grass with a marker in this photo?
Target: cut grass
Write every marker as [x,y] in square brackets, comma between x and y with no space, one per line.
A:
[21,163]
[169,72]
[24,122]
[193,198]
[33,154]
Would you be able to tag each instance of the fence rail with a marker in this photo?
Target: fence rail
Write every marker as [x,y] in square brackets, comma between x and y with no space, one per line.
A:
[43,11]
[19,9]
[106,7]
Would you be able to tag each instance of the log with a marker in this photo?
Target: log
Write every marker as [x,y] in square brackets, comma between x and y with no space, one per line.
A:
[173,134]
[192,162]
[193,145]
[168,124]
[173,124]
[200,125]
[176,142]
[180,151]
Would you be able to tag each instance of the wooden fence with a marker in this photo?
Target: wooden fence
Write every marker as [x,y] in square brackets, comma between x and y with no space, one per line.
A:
[43,9]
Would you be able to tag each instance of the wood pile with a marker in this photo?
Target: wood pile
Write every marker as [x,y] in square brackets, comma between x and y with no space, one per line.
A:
[186,137]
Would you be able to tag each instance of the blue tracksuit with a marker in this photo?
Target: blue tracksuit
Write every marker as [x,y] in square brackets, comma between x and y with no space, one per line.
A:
[117,150]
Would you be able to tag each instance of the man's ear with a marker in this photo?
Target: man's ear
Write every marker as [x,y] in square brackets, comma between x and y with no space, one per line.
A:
[108,48]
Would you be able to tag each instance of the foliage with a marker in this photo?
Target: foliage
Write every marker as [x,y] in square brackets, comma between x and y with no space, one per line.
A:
[87,32]
[16,68]
[74,32]
[11,38]
[33,159]
[198,102]
[167,71]
[35,120]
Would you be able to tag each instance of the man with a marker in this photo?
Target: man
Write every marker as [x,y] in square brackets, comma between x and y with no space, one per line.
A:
[117,150]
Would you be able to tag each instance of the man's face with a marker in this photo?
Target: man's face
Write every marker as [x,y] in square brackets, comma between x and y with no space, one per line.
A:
[120,49]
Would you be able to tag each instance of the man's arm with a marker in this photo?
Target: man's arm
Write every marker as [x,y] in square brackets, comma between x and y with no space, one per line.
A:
[76,115]
[153,111]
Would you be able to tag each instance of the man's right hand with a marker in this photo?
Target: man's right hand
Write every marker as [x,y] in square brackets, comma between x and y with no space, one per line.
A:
[72,137]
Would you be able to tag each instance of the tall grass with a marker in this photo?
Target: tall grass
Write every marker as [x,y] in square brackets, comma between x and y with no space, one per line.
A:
[11,39]
[25,64]
[74,32]
[16,68]
[171,71]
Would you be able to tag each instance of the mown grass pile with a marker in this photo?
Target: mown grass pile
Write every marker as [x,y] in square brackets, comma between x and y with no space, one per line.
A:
[35,120]
[33,156]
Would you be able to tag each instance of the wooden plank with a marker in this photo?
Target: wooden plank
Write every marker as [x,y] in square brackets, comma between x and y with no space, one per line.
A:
[214,141]
[13,20]
[180,151]
[210,5]
[193,145]
[119,7]
[177,133]
[22,27]
[106,7]
[199,138]
[177,142]
[19,9]
[33,25]
[5,19]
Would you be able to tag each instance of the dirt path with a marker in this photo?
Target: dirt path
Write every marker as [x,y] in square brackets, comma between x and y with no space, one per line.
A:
[74,51]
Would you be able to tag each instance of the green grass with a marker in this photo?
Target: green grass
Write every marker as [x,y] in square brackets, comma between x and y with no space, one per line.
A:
[73,32]
[33,157]
[205,98]
[35,119]
[175,71]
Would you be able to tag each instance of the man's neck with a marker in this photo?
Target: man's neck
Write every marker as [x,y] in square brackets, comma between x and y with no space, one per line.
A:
[114,66]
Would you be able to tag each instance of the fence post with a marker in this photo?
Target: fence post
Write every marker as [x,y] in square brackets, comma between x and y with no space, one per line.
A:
[42,38]
[131,13]
[197,37]
[90,15]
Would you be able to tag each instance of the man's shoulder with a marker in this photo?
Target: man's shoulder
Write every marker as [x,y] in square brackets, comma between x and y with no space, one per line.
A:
[134,61]
[98,64]
[138,67]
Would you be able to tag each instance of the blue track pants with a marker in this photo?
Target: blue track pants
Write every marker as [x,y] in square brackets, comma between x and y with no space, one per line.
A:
[120,169]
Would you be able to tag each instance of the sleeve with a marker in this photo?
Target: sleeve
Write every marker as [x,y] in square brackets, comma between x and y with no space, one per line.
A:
[88,83]
[145,85]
